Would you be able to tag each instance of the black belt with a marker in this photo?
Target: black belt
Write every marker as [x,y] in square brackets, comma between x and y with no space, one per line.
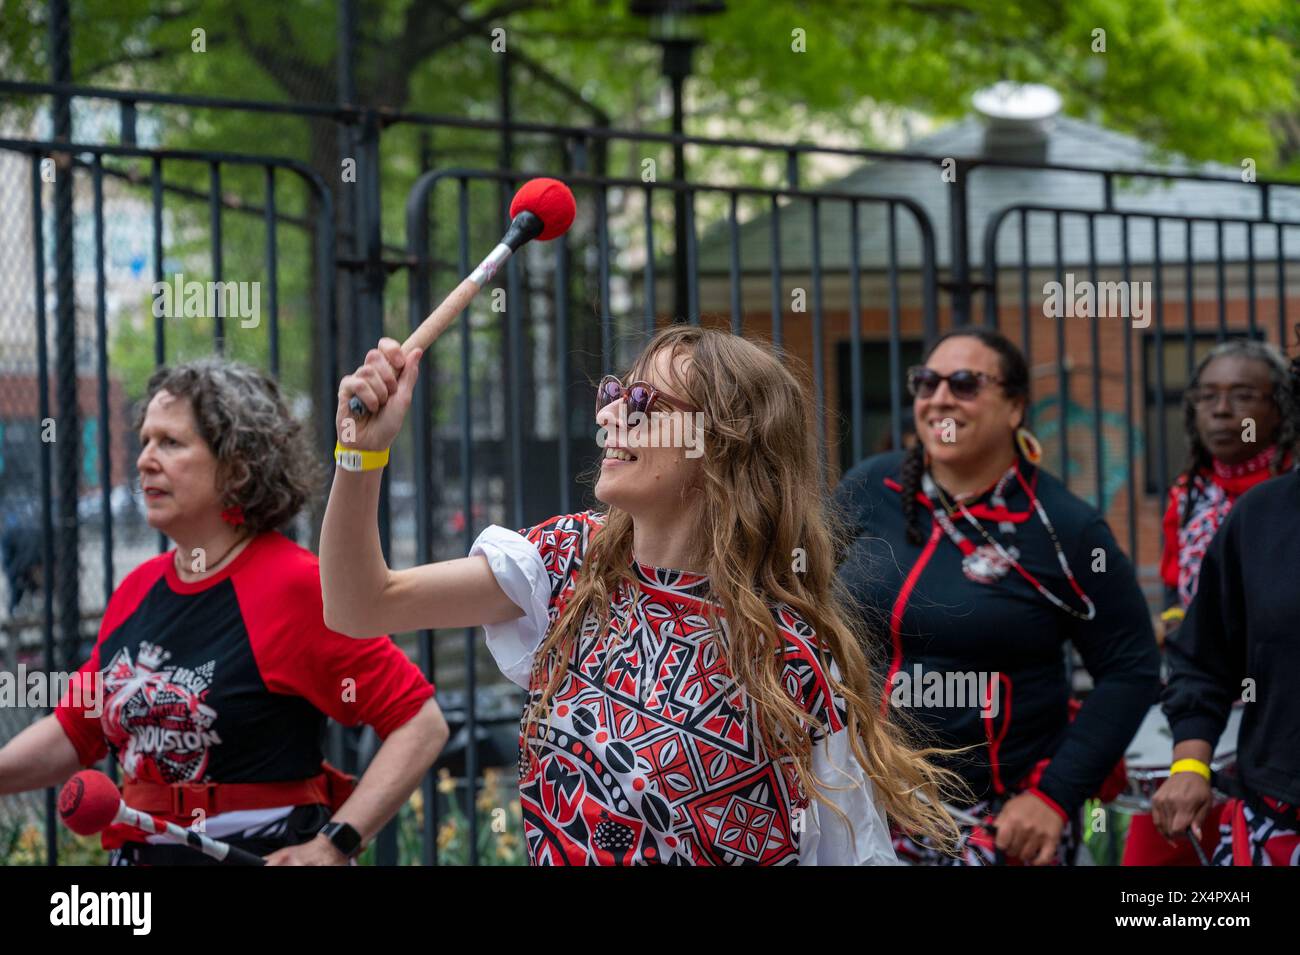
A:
[142,853]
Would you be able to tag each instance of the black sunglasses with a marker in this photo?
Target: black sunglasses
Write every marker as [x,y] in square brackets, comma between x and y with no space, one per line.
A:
[964,384]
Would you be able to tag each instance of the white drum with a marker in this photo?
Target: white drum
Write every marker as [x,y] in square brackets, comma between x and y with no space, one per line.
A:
[1152,751]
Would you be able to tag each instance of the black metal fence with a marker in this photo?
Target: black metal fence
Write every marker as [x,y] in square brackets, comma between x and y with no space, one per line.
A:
[851,279]
[65,518]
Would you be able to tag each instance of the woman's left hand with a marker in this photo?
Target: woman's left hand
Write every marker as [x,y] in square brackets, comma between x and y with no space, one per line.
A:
[1029,830]
[320,851]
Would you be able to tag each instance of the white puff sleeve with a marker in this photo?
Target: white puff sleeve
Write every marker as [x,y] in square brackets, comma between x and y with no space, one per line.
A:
[826,840]
[521,574]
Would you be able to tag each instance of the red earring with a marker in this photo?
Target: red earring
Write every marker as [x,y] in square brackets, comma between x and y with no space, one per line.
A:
[233,515]
[1029,445]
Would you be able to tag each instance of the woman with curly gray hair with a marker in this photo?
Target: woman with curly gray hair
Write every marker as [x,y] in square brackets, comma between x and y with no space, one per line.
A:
[214,671]
[265,466]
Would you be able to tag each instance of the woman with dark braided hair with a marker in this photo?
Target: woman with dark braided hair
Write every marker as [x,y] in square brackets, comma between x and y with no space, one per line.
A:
[1241,426]
[981,567]
[1241,423]
[1239,643]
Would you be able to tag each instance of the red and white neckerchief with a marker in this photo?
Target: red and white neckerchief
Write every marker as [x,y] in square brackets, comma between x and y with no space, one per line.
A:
[1216,488]
[988,563]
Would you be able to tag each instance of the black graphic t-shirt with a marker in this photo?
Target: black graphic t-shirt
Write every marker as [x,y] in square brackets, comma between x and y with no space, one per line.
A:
[230,679]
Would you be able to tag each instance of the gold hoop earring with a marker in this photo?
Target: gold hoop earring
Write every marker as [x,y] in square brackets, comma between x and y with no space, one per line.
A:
[1029,445]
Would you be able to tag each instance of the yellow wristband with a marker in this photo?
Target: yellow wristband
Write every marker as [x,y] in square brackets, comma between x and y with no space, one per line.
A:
[1190,766]
[1173,613]
[354,459]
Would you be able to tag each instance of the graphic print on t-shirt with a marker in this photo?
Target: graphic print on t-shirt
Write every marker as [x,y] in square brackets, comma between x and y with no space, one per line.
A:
[156,714]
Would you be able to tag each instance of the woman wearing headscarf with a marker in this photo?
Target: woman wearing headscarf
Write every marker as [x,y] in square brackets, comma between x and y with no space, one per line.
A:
[1241,423]
[1239,644]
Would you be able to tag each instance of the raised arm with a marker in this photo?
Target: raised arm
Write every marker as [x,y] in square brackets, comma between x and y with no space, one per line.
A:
[362,596]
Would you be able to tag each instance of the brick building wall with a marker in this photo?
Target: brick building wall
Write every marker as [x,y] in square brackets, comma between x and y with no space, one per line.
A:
[1083,367]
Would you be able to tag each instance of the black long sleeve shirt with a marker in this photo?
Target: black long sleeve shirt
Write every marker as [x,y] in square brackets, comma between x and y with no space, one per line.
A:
[928,614]
[1244,625]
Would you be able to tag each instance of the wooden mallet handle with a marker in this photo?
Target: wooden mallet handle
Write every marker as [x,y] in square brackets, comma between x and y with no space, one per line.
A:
[524,227]
[440,318]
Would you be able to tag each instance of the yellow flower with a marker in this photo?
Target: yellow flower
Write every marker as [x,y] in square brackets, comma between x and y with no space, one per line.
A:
[446,785]
[446,834]
[32,840]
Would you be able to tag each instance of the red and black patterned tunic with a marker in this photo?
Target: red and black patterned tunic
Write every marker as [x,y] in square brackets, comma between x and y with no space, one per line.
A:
[652,753]
[1215,489]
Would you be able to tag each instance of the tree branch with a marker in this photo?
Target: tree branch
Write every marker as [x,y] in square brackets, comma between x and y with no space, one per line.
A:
[422,37]
[299,78]
[125,59]
[470,27]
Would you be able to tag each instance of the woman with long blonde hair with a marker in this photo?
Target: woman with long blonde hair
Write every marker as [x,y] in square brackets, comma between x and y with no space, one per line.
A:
[696,694]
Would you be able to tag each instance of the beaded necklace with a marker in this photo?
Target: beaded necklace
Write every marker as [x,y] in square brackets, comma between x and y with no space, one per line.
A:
[949,509]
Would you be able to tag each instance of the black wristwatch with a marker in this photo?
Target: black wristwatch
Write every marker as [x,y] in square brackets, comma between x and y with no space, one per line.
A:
[342,837]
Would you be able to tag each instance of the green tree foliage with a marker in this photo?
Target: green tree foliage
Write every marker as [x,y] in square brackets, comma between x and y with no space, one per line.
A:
[1213,79]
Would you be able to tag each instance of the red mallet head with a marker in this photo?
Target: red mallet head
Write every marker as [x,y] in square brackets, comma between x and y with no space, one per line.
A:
[551,201]
[88,802]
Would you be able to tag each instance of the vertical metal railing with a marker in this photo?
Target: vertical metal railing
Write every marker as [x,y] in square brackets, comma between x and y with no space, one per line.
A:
[46,468]
[69,374]
[909,281]
[1240,245]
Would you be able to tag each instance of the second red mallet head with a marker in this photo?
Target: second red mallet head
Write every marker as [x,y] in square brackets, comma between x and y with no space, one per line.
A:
[88,802]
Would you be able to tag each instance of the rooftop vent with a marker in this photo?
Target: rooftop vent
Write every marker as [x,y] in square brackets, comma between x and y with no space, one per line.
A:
[1017,119]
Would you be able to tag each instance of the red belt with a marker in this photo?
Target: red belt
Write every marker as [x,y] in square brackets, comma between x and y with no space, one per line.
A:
[182,799]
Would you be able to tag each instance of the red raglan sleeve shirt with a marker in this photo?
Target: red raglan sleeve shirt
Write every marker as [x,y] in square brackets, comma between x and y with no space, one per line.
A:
[367,682]
[226,679]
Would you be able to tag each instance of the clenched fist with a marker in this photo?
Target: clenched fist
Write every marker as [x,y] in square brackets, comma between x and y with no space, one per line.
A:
[384,383]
